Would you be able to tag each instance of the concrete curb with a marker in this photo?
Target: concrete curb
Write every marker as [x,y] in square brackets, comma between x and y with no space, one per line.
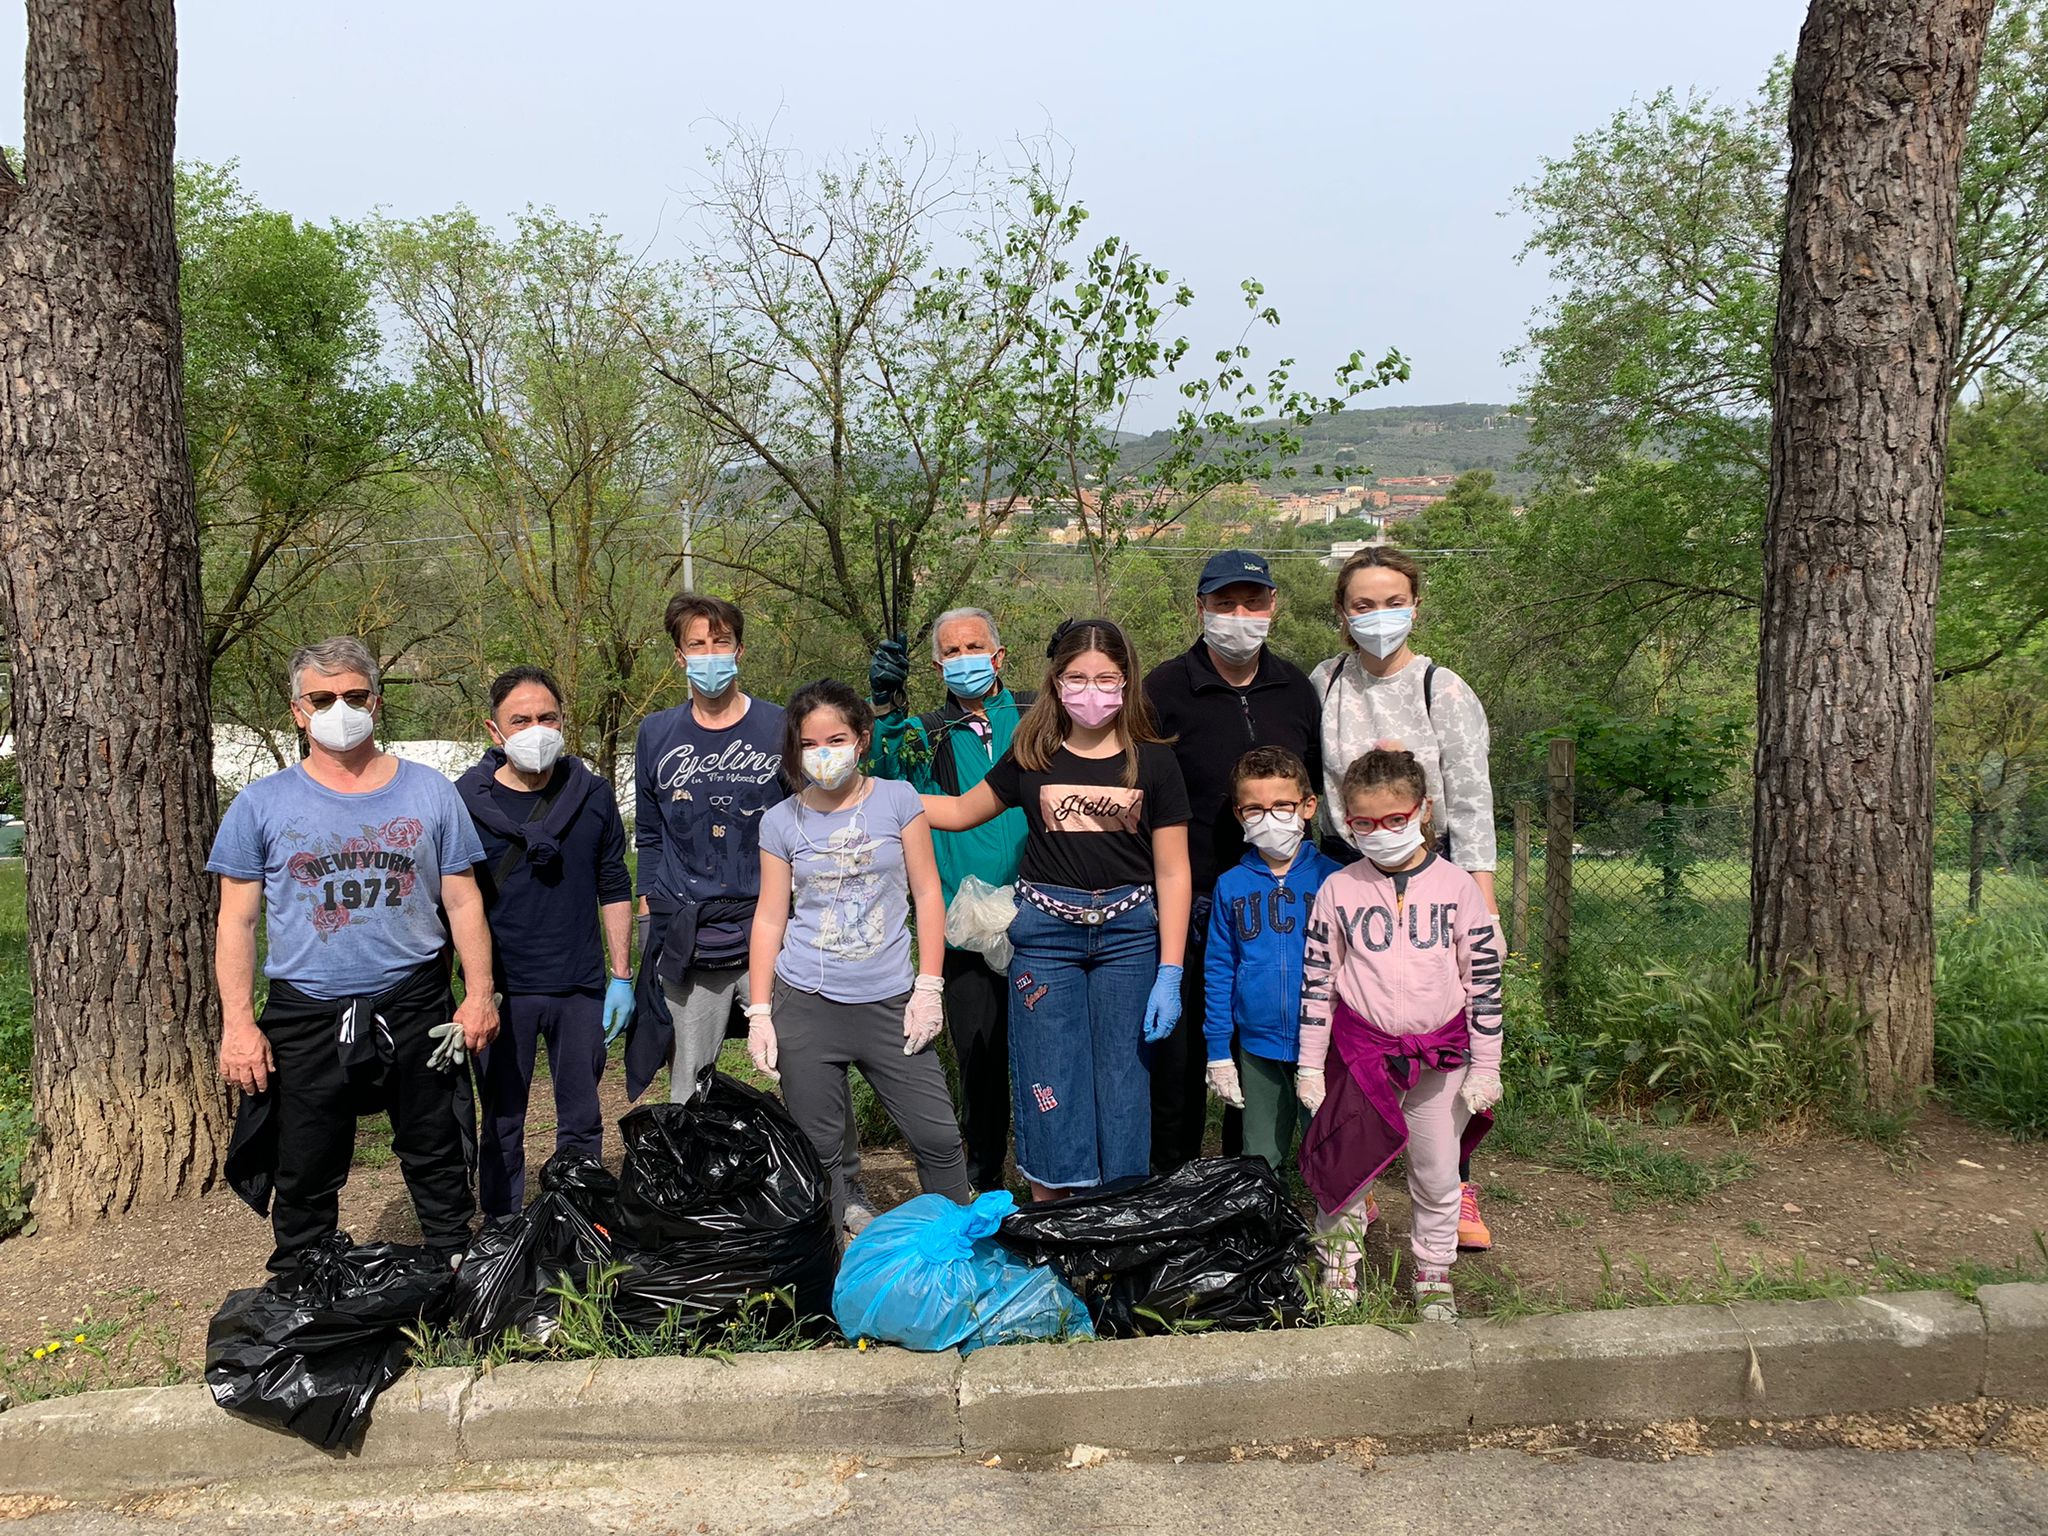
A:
[1180,1394]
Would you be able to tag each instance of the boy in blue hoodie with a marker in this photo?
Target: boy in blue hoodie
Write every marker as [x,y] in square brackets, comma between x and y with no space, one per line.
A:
[1257,936]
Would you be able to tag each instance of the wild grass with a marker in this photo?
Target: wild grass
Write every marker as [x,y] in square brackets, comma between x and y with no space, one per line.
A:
[1991,1023]
[587,1327]
[125,1342]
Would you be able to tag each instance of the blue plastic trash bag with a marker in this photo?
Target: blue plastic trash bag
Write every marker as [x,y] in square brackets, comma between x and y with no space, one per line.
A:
[929,1276]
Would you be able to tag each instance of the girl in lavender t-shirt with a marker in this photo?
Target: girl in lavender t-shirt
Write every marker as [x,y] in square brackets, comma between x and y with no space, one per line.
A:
[830,971]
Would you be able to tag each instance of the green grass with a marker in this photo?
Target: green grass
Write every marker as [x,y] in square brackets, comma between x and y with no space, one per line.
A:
[1635,1284]
[127,1343]
[588,1329]
[1614,916]
[1637,1174]
[1991,1022]
[17,1125]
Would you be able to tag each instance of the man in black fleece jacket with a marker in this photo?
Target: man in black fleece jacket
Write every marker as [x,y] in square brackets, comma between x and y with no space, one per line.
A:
[1223,696]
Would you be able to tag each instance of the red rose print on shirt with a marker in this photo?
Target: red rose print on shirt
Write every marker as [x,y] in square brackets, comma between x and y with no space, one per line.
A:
[405,883]
[304,868]
[402,831]
[357,846]
[329,920]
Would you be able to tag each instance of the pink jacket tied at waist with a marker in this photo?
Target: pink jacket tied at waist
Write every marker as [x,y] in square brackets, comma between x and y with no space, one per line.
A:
[1360,1128]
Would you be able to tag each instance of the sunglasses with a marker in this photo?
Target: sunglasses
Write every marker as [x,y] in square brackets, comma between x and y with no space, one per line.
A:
[1398,822]
[355,698]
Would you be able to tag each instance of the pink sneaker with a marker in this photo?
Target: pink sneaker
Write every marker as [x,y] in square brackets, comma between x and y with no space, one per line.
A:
[1472,1234]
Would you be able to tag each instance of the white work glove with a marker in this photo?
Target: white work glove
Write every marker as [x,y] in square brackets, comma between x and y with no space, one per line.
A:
[1481,1090]
[925,1014]
[1308,1088]
[449,1052]
[1224,1084]
[761,1040]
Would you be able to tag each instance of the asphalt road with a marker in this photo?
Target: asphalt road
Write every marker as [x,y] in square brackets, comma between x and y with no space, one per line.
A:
[1749,1490]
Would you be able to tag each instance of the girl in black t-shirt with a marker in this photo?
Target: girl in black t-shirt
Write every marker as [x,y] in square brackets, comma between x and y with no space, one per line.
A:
[1102,910]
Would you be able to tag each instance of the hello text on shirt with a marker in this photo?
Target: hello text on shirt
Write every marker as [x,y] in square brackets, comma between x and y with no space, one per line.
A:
[1091,808]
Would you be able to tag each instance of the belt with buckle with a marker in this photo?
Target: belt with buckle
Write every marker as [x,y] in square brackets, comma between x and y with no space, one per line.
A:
[1073,912]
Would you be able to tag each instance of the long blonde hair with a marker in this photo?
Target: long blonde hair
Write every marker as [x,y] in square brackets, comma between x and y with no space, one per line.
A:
[1046,724]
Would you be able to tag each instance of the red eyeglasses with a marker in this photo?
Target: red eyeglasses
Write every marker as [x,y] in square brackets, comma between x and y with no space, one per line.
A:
[1398,822]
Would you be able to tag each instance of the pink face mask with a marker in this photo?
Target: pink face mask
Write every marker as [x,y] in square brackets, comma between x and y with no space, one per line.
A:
[1092,707]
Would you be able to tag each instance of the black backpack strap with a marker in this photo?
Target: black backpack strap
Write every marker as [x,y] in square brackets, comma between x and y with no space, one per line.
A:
[1429,692]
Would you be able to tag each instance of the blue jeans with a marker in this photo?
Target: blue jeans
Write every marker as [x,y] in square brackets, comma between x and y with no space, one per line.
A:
[1079,1084]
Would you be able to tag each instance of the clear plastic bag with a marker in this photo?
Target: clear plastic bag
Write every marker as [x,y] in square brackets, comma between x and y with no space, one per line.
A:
[980,918]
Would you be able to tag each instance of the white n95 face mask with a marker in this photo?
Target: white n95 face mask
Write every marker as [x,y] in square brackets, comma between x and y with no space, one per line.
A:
[340,728]
[535,749]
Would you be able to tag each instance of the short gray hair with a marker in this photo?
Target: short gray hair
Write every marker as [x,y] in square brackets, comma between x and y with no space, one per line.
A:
[995,637]
[343,653]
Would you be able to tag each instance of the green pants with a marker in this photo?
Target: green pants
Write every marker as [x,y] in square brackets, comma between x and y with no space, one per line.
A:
[1270,1108]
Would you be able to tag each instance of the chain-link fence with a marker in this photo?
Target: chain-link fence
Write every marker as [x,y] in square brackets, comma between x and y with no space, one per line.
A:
[1654,884]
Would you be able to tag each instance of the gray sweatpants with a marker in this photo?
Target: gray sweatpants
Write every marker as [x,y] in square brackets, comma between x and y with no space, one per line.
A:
[818,1039]
[698,1010]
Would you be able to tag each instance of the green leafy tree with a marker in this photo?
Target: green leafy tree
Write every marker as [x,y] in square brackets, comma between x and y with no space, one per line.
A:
[903,354]
[1674,762]
[565,457]
[302,446]
[1650,389]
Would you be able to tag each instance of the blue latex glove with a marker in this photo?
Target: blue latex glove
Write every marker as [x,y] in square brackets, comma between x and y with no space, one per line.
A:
[1162,1008]
[890,670]
[618,1008]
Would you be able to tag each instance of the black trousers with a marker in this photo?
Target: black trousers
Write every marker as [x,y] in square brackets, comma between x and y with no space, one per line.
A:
[978,1014]
[316,1100]
[571,1025]
[1180,1068]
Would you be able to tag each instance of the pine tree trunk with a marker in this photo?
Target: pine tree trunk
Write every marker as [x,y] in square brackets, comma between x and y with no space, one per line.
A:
[99,562]
[1866,330]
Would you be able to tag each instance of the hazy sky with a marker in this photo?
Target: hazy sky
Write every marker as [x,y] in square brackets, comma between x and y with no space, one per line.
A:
[1358,158]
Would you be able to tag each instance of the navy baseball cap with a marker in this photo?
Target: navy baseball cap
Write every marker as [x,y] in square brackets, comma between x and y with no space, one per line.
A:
[1232,567]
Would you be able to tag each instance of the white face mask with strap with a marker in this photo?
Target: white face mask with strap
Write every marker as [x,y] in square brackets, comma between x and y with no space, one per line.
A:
[1387,848]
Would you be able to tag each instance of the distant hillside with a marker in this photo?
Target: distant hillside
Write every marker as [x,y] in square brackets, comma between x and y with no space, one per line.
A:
[1405,440]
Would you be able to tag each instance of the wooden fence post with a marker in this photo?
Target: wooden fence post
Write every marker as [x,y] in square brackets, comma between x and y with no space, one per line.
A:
[1518,898]
[1557,860]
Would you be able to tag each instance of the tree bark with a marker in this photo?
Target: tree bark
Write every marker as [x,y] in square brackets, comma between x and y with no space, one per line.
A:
[99,576]
[1866,333]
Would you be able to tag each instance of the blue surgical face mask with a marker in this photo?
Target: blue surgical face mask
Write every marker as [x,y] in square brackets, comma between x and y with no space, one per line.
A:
[712,674]
[969,676]
[1383,631]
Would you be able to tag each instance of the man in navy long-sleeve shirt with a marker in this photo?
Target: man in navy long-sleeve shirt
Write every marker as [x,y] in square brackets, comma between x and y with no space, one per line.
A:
[554,881]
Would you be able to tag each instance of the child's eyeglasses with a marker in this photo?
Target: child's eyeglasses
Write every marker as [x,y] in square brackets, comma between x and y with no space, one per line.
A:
[1398,822]
[1252,815]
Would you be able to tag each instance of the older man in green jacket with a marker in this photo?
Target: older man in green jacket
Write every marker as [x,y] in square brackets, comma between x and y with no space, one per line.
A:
[948,752]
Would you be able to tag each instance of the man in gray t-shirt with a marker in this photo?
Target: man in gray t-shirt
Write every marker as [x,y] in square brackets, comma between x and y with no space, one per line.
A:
[360,865]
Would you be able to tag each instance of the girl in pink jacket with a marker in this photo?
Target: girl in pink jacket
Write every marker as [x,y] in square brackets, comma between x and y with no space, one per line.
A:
[1403,978]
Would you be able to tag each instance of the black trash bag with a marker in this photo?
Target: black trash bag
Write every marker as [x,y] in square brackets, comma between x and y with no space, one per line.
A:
[310,1351]
[722,1199]
[509,1275]
[1216,1241]
[590,1186]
